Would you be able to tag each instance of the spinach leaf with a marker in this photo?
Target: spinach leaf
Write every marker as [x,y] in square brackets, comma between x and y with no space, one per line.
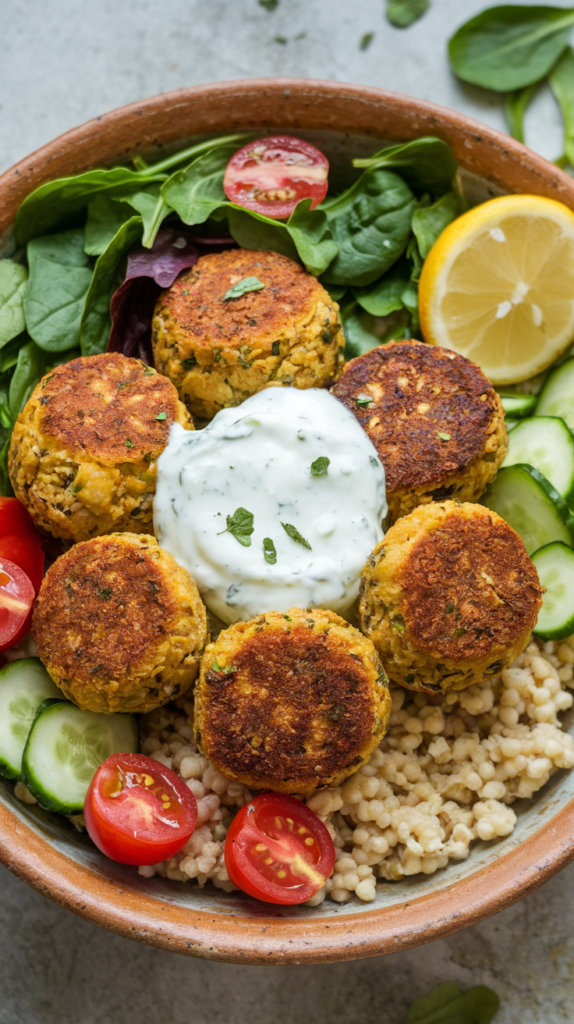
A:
[562,85]
[515,104]
[9,352]
[447,1005]
[336,291]
[108,275]
[105,218]
[57,287]
[149,203]
[371,224]
[430,221]
[30,368]
[402,13]
[197,191]
[56,201]
[427,164]
[5,434]
[385,296]
[183,156]
[311,233]
[508,47]
[13,278]
[254,231]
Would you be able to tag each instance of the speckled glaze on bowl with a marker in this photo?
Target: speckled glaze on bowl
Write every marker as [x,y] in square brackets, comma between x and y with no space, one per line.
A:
[343,120]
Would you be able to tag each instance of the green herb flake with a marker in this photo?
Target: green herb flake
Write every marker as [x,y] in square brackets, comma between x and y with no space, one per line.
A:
[275,348]
[188,363]
[243,361]
[269,552]
[136,512]
[128,443]
[216,355]
[458,632]
[292,532]
[398,623]
[402,13]
[269,5]
[149,372]
[240,525]
[449,608]
[288,617]
[410,678]
[104,593]
[123,384]
[248,284]
[366,40]
[227,669]
[443,435]
[320,465]
[362,400]
[280,39]
[161,416]
[147,457]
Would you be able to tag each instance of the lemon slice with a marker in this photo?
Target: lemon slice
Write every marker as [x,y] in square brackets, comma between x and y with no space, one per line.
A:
[498,286]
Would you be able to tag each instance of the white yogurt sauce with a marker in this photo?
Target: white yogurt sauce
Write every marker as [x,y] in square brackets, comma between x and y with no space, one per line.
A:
[258,457]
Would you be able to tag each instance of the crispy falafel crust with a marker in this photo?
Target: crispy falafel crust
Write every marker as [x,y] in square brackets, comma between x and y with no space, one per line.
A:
[435,419]
[449,597]
[119,625]
[218,352]
[291,702]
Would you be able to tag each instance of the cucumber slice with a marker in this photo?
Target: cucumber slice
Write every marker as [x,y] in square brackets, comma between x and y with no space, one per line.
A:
[531,505]
[557,395]
[518,406]
[24,684]
[64,748]
[555,564]
[546,443]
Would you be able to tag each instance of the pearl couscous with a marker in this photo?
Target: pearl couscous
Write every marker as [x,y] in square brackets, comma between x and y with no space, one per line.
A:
[445,774]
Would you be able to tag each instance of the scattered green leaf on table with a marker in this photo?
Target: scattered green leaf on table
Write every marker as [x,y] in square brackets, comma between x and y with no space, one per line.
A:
[515,105]
[366,40]
[13,278]
[427,164]
[60,276]
[508,47]
[562,85]
[196,191]
[371,224]
[269,5]
[446,1004]
[402,13]
[243,287]
[108,274]
[430,221]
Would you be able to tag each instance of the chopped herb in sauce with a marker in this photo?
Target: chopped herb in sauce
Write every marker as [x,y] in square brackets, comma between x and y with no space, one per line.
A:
[269,552]
[240,524]
[292,532]
[320,465]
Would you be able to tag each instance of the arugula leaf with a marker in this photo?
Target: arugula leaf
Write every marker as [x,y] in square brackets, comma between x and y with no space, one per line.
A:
[60,276]
[562,84]
[269,552]
[515,104]
[427,164]
[402,13]
[13,278]
[293,532]
[248,284]
[371,224]
[319,466]
[240,524]
[430,221]
[108,275]
[447,1005]
[511,46]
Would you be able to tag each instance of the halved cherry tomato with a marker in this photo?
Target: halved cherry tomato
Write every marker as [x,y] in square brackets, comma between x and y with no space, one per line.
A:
[22,544]
[16,599]
[278,850]
[137,811]
[272,175]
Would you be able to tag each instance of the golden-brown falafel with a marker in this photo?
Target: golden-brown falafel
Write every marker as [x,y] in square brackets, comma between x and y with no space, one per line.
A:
[218,351]
[449,597]
[291,702]
[83,452]
[436,421]
[119,625]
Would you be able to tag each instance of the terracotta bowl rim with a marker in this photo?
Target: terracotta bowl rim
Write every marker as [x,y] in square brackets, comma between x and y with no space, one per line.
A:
[266,939]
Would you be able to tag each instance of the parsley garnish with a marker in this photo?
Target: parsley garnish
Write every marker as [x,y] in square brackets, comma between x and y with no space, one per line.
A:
[458,632]
[319,466]
[363,400]
[240,524]
[443,435]
[295,535]
[248,284]
[227,670]
[161,416]
[288,617]
[269,552]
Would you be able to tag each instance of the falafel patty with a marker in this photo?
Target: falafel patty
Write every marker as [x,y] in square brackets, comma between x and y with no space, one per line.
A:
[449,597]
[435,419]
[119,625]
[291,702]
[219,350]
[84,449]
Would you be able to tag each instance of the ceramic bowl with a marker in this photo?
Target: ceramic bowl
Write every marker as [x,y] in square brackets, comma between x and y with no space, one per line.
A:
[344,121]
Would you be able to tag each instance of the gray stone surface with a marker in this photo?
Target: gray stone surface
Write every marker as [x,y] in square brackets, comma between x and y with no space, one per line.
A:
[62,62]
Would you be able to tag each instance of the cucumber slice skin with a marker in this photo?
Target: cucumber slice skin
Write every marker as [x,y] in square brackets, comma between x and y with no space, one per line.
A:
[555,567]
[547,444]
[49,755]
[559,520]
[24,685]
[557,395]
[518,406]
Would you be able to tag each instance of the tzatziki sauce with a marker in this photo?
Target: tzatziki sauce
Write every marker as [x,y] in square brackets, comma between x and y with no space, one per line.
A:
[276,503]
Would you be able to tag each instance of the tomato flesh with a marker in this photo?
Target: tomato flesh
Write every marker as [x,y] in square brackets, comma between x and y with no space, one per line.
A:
[271,176]
[21,543]
[278,850]
[16,599]
[137,811]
